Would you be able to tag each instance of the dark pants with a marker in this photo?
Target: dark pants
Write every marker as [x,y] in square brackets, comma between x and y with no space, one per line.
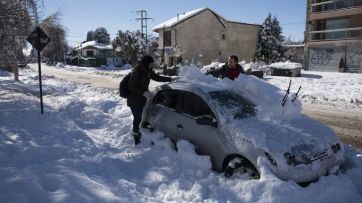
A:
[137,117]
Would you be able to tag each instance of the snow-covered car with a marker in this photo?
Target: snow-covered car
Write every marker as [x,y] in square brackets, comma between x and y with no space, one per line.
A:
[231,129]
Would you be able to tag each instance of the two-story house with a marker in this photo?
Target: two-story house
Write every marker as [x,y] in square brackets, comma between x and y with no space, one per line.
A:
[94,54]
[334,33]
[203,35]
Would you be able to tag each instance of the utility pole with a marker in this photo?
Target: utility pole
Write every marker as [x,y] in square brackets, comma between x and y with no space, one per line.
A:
[143,20]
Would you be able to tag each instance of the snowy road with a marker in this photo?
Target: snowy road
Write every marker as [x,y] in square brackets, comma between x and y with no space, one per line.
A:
[347,123]
[82,77]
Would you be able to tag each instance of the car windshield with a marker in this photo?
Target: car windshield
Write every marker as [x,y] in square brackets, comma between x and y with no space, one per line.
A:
[238,106]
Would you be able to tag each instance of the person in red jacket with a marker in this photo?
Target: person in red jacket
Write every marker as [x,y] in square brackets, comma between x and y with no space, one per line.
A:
[230,70]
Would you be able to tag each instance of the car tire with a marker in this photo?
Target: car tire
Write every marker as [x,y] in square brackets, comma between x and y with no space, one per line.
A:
[148,126]
[241,165]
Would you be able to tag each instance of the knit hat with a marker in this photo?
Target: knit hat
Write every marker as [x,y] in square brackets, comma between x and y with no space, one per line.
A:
[146,61]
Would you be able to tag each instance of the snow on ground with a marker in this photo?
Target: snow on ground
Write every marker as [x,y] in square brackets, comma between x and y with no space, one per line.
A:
[80,150]
[286,65]
[111,71]
[328,88]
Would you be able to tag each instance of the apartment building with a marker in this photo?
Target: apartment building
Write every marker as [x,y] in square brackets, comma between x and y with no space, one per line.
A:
[334,33]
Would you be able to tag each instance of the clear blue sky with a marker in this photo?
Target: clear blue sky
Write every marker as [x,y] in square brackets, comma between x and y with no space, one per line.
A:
[81,16]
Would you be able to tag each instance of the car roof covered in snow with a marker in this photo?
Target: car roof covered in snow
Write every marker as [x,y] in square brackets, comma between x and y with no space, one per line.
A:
[196,87]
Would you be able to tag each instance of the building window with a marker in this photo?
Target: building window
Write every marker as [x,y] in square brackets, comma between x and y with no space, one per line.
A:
[223,36]
[90,53]
[167,38]
[336,24]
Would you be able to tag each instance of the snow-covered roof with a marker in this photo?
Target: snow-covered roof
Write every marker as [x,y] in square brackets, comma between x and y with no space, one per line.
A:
[189,14]
[93,44]
[179,18]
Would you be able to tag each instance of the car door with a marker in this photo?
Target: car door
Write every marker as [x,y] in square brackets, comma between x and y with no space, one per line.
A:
[166,112]
[204,137]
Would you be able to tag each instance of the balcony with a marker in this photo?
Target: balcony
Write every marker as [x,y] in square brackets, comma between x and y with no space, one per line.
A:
[333,5]
[337,34]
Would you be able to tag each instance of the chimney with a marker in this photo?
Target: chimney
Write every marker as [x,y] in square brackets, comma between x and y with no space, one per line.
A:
[178,17]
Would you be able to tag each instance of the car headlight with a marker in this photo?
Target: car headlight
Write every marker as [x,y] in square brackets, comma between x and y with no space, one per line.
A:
[270,158]
[296,159]
[336,148]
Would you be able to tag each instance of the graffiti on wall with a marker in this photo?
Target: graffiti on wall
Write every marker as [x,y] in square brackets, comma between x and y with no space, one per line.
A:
[354,61]
[322,58]
[325,58]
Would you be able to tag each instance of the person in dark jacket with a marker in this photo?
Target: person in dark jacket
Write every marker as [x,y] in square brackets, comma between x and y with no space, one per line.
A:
[138,86]
[231,70]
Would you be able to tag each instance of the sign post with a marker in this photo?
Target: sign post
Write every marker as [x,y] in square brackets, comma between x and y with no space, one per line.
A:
[39,40]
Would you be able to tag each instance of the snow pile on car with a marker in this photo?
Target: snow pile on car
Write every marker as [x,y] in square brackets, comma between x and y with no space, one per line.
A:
[211,67]
[267,97]
[275,127]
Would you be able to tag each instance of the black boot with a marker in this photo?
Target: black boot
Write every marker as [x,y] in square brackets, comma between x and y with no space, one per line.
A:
[137,138]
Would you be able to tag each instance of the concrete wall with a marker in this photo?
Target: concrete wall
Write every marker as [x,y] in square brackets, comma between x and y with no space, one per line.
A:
[325,56]
[242,40]
[202,35]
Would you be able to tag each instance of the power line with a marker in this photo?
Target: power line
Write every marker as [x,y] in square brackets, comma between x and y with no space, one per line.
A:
[143,20]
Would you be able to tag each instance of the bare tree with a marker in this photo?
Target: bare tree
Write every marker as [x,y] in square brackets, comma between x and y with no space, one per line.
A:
[57,47]
[16,20]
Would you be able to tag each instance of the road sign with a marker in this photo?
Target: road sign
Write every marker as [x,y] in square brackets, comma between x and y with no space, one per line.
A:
[38,39]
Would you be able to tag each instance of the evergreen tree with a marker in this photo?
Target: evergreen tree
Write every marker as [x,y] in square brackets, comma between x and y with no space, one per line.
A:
[101,36]
[132,46]
[90,36]
[270,48]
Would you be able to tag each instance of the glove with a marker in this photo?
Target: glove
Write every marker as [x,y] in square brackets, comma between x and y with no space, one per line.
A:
[146,94]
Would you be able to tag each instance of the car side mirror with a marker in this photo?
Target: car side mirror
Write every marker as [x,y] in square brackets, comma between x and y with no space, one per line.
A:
[206,120]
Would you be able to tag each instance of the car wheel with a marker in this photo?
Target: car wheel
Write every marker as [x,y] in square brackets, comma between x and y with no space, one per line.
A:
[240,165]
[148,126]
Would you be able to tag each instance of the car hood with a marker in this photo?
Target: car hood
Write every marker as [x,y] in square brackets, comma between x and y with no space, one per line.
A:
[301,134]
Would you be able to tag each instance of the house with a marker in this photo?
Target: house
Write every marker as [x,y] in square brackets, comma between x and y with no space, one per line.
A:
[202,35]
[334,33]
[94,54]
